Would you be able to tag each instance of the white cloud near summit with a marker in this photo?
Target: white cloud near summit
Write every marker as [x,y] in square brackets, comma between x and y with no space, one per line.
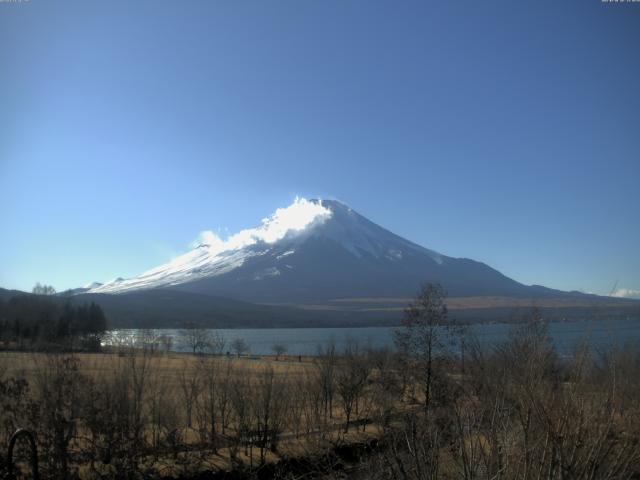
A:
[294,218]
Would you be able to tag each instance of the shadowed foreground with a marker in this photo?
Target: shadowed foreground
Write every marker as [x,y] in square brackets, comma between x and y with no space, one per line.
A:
[513,411]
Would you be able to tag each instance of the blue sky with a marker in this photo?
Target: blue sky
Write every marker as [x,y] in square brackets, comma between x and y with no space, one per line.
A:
[507,132]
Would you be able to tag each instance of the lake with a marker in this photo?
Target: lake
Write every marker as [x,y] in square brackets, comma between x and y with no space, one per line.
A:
[305,341]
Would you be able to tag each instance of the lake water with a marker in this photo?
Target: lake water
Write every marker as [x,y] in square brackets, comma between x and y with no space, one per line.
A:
[305,341]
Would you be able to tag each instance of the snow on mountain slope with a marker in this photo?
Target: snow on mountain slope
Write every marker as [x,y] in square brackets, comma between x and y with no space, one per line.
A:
[362,237]
[214,256]
[314,251]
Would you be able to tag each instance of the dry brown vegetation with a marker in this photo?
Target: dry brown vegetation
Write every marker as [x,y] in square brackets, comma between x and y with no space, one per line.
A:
[511,411]
[398,304]
[139,411]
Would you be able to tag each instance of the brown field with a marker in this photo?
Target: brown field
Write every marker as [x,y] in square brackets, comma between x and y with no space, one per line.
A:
[26,364]
[517,411]
[174,380]
[398,304]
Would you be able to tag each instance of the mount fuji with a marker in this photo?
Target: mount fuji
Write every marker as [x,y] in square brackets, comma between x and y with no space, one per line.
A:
[316,250]
[315,261]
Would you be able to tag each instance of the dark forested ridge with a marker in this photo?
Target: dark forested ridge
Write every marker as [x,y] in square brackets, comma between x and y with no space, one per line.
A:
[44,321]
[164,308]
[168,308]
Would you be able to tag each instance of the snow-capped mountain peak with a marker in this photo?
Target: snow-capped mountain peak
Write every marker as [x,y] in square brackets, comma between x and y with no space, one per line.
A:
[211,255]
[314,250]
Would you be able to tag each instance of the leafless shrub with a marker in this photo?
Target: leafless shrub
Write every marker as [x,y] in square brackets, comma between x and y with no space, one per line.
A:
[239,346]
[279,349]
[270,405]
[351,380]
[326,362]
[189,380]
[57,394]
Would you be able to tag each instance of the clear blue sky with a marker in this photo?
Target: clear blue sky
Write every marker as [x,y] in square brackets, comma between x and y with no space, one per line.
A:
[507,132]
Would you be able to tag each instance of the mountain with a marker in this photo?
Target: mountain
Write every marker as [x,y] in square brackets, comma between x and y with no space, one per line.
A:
[320,263]
[316,252]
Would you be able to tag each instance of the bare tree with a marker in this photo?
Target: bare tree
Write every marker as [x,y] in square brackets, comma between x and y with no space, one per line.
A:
[210,373]
[39,289]
[423,337]
[241,405]
[223,396]
[148,339]
[195,339]
[279,349]
[239,346]
[387,386]
[351,379]
[269,407]
[217,343]
[326,365]
[190,385]
[58,392]
[166,342]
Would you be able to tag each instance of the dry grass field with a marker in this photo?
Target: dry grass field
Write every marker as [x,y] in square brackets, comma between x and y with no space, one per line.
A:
[26,364]
[516,410]
[255,398]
